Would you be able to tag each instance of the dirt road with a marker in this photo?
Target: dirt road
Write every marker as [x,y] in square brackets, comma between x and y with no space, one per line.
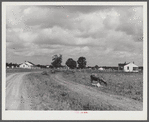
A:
[119,102]
[16,93]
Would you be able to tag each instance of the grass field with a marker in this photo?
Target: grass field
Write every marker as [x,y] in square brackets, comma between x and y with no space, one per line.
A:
[47,94]
[126,84]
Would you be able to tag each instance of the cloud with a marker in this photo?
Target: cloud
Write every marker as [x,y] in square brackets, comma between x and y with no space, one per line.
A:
[131,22]
[28,36]
[85,9]
[93,31]
[14,17]
[47,17]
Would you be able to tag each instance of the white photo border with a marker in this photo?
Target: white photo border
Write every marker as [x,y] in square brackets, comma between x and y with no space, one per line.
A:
[73,115]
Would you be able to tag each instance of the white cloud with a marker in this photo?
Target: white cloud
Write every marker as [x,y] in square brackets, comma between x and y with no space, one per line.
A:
[103,31]
[28,36]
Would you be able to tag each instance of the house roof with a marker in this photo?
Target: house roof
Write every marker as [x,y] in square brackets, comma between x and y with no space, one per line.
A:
[132,64]
[27,62]
[21,63]
[124,64]
[30,62]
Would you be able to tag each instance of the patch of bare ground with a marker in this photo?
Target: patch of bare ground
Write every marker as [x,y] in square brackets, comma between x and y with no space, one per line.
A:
[129,85]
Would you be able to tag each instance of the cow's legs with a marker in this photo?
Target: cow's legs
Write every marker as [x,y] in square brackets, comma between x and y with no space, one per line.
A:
[99,81]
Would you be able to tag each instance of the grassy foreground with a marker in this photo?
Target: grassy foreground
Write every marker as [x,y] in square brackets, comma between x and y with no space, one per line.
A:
[126,84]
[46,94]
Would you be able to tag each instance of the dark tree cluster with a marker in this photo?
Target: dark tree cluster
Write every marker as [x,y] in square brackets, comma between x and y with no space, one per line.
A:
[41,66]
[82,62]
[57,60]
[71,63]
[12,65]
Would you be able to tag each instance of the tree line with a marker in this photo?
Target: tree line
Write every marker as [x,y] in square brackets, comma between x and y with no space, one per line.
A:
[71,63]
[12,64]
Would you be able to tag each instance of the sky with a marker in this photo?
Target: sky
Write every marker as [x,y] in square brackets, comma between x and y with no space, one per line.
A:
[104,35]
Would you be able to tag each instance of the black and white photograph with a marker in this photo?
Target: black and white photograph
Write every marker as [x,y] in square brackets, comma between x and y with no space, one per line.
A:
[74,60]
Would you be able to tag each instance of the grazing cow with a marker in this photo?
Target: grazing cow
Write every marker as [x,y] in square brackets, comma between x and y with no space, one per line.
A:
[99,80]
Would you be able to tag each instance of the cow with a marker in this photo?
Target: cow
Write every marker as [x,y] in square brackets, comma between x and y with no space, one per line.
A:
[99,80]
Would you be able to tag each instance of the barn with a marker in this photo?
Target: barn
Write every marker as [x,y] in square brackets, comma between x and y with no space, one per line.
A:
[27,65]
[128,67]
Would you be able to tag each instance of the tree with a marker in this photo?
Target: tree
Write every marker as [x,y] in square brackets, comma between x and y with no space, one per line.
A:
[71,63]
[56,60]
[96,67]
[82,62]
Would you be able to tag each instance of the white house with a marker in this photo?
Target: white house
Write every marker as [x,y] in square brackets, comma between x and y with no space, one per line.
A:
[27,65]
[131,67]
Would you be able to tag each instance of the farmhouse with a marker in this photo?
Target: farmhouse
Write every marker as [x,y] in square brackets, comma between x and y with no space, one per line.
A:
[27,65]
[128,67]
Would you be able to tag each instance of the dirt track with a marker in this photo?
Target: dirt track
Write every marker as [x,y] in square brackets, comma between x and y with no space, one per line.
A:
[16,94]
[17,97]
